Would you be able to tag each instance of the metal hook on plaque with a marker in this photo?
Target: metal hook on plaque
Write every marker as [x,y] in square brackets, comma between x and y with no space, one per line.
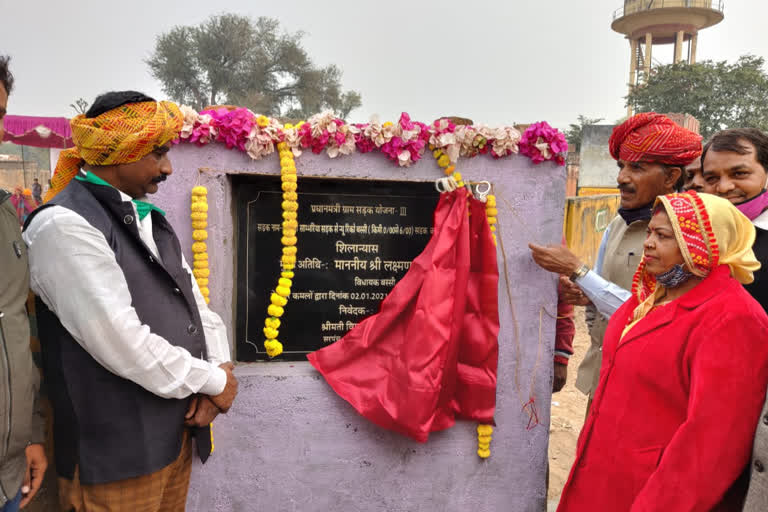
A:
[481,193]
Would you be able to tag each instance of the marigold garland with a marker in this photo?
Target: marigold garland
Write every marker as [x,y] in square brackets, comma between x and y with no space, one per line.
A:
[484,431]
[279,298]
[199,216]
[484,441]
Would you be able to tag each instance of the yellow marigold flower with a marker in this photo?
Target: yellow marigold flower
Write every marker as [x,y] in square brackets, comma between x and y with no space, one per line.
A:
[290,196]
[289,178]
[484,430]
[460,184]
[289,266]
[289,250]
[270,333]
[288,126]
[287,274]
[200,235]
[493,229]
[199,191]
[457,176]
[201,272]
[484,438]
[201,281]
[199,224]
[443,161]
[262,121]
[387,124]
[274,348]
[199,247]
[290,206]
[198,216]
[207,300]
[200,256]
[483,454]
[491,220]
[199,207]
[273,323]
[285,281]
[204,291]
[282,146]
[289,186]
[289,240]
[494,238]
[490,200]
[283,291]
[200,264]
[289,215]
[483,446]
[275,311]
[278,300]
[491,212]
[290,224]
[437,153]
[199,199]
[289,232]
[286,162]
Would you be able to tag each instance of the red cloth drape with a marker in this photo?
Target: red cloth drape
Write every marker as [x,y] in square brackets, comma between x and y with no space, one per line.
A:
[431,352]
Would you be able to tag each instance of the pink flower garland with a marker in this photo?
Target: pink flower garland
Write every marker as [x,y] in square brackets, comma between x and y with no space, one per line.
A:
[541,142]
[403,142]
[233,126]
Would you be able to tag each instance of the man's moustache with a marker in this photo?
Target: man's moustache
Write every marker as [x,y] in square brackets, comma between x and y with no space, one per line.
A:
[626,189]
[160,179]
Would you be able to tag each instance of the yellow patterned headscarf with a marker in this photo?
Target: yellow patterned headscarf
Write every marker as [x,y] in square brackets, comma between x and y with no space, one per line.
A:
[119,136]
[710,231]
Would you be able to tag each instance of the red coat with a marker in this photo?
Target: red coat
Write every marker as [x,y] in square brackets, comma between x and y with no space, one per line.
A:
[673,418]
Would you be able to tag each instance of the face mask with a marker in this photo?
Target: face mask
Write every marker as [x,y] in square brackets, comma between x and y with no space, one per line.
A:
[673,277]
[755,206]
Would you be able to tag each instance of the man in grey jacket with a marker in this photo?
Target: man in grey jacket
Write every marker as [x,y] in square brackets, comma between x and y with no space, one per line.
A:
[22,458]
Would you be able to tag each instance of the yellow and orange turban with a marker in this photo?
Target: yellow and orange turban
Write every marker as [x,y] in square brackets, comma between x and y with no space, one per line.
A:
[119,136]
[653,137]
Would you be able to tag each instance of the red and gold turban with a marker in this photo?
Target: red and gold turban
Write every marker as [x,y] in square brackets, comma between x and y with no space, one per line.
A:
[119,136]
[653,137]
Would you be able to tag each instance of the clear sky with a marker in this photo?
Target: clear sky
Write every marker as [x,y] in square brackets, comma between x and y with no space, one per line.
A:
[494,61]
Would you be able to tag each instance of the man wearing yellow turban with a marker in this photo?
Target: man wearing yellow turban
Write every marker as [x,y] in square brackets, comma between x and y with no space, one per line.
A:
[136,363]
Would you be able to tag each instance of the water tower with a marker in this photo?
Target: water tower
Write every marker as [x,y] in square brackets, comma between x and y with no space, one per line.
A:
[649,22]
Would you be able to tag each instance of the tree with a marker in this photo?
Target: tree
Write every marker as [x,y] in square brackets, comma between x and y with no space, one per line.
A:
[573,133]
[233,59]
[718,94]
[80,106]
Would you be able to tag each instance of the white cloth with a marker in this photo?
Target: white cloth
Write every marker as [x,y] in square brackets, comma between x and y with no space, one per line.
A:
[605,295]
[74,271]
[762,221]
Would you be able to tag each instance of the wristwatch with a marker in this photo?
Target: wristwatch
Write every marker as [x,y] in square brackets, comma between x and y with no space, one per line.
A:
[579,273]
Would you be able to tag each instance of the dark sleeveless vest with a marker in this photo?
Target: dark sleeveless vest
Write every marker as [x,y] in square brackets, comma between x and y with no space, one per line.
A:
[111,427]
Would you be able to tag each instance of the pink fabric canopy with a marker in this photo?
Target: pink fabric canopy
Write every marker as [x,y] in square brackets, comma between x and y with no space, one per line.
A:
[41,132]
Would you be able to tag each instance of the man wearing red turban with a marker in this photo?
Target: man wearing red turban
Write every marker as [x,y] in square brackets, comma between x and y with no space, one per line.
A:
[651,152]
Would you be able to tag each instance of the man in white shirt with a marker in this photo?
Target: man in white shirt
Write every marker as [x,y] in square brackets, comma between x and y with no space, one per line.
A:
[650,151]
[136,363]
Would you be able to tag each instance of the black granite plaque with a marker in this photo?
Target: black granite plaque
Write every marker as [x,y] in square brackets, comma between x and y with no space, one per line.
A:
[356,239]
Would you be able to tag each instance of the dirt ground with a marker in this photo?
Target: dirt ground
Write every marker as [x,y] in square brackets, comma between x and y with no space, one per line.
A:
[568,408]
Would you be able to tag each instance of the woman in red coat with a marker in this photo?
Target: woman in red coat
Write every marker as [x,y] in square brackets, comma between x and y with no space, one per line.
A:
[684,373]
